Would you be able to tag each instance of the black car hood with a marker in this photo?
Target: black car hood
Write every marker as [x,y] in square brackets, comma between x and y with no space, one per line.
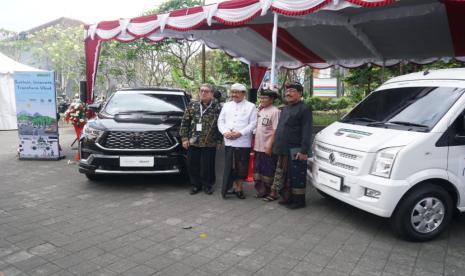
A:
[112,124]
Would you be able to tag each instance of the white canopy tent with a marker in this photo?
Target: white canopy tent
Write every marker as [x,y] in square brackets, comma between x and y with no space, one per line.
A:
[7,92]
[295,33]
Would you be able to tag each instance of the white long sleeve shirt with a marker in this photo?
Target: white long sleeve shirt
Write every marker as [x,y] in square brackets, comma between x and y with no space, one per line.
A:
[240,117]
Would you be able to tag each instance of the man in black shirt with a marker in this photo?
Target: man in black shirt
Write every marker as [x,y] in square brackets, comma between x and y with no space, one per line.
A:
[292,145]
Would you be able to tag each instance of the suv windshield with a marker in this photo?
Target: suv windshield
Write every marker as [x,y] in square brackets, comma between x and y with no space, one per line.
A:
[416,108]
[144,102]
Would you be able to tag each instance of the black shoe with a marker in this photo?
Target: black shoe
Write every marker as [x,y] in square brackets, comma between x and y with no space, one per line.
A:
[296,205]
[208,190]
[284,202]
[194,190]
[240,195]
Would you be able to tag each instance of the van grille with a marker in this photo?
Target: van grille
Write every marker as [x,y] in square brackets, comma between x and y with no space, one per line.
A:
[337,164]
[144,140]
[338,158]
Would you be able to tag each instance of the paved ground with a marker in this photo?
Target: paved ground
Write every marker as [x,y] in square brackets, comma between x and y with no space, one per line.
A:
[55,222]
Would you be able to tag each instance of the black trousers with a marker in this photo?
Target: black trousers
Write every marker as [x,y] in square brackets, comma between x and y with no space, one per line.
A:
[201,166]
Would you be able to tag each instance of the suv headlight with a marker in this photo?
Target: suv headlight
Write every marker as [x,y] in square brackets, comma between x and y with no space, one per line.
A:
[91,133]
[384,162]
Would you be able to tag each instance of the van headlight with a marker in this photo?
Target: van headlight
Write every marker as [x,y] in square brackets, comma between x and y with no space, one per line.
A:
[384,162]
[91,133]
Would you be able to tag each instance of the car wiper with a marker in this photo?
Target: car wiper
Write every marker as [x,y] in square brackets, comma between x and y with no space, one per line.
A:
[359,119]
[408,124]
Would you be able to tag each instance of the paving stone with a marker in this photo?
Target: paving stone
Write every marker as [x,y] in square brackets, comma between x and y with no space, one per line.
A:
[46,269]
[177,269]
[43,249]
[59,222]
[69,261]
[140,270]
[195,260]
[30,264]
[18,257]
[121,266]
[234,271]
[11,271]
[160,262]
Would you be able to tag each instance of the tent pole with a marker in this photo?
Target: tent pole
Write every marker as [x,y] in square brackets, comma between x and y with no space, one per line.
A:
[203,55]
[273,50]
[382,71]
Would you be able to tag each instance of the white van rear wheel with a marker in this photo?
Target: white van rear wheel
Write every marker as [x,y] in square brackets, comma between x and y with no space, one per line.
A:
[423,214]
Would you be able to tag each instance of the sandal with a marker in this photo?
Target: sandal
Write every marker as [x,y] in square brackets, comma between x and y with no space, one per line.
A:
[270,198]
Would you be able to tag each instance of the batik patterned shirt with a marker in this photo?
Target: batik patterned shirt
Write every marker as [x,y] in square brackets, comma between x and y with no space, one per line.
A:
[206,116]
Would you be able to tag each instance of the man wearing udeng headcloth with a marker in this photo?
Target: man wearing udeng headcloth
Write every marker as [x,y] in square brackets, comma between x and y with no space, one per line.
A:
[292,145]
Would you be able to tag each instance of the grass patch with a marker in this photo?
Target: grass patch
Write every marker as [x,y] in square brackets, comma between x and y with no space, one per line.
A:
[321,118]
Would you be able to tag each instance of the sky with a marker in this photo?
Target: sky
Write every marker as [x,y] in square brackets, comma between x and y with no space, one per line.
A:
[22,15]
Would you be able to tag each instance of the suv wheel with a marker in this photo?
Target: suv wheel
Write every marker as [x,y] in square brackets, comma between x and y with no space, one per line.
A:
[423,214]
[93,177]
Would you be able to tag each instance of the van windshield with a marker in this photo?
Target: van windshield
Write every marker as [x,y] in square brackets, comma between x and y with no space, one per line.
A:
[410,108]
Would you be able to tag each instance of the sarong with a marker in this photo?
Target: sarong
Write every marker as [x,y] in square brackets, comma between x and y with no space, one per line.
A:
[236,163]
[290,177]
[264,170]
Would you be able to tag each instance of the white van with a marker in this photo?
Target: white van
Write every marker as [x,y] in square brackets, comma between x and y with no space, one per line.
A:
[400,153]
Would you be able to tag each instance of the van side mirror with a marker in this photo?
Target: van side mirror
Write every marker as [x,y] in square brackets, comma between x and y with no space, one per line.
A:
[95,107]
[459,139]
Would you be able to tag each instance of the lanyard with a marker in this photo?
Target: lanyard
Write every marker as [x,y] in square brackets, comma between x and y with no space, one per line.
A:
[203,111]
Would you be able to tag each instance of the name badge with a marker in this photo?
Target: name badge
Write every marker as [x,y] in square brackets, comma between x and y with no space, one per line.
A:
[198,127]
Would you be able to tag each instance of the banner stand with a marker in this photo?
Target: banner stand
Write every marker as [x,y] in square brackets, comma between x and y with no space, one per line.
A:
[36,113]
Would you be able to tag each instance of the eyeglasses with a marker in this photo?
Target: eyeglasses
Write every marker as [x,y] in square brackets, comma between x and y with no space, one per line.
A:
[204,91]
[291,90]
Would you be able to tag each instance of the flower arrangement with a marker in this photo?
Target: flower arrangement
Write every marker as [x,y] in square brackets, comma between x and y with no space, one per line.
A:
[76,114]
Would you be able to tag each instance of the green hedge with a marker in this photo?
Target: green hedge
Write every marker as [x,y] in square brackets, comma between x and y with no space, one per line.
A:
[321,103]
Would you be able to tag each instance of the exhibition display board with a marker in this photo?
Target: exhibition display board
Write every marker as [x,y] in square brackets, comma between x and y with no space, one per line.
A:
[36,115]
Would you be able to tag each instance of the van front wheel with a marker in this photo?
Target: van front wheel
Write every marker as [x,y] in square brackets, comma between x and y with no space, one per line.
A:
[423,214]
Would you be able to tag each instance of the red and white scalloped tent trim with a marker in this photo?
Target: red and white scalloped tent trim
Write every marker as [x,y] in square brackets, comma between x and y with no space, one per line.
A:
[319,33]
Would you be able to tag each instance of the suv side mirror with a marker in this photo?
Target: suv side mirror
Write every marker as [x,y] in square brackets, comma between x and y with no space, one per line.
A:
[95,107]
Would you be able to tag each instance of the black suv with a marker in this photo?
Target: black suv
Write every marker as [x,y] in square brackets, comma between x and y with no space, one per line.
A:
[135,132]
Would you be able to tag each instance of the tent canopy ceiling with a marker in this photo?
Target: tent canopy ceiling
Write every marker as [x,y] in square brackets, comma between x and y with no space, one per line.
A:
[319,33]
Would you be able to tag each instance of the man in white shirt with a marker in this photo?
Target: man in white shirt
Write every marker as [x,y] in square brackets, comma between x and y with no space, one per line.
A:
[236,122]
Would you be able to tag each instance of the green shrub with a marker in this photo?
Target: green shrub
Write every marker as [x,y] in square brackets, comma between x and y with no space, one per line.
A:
[340,103]
[318,103]
[355,96]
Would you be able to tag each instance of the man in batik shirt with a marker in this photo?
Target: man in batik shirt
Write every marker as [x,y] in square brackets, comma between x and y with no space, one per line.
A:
[200,136]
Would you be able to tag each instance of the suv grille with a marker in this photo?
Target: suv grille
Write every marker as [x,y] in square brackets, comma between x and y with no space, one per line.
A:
[144,140]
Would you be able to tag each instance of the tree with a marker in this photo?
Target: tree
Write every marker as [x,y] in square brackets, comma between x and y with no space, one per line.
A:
[367,78]
[63,50]
[12,44]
